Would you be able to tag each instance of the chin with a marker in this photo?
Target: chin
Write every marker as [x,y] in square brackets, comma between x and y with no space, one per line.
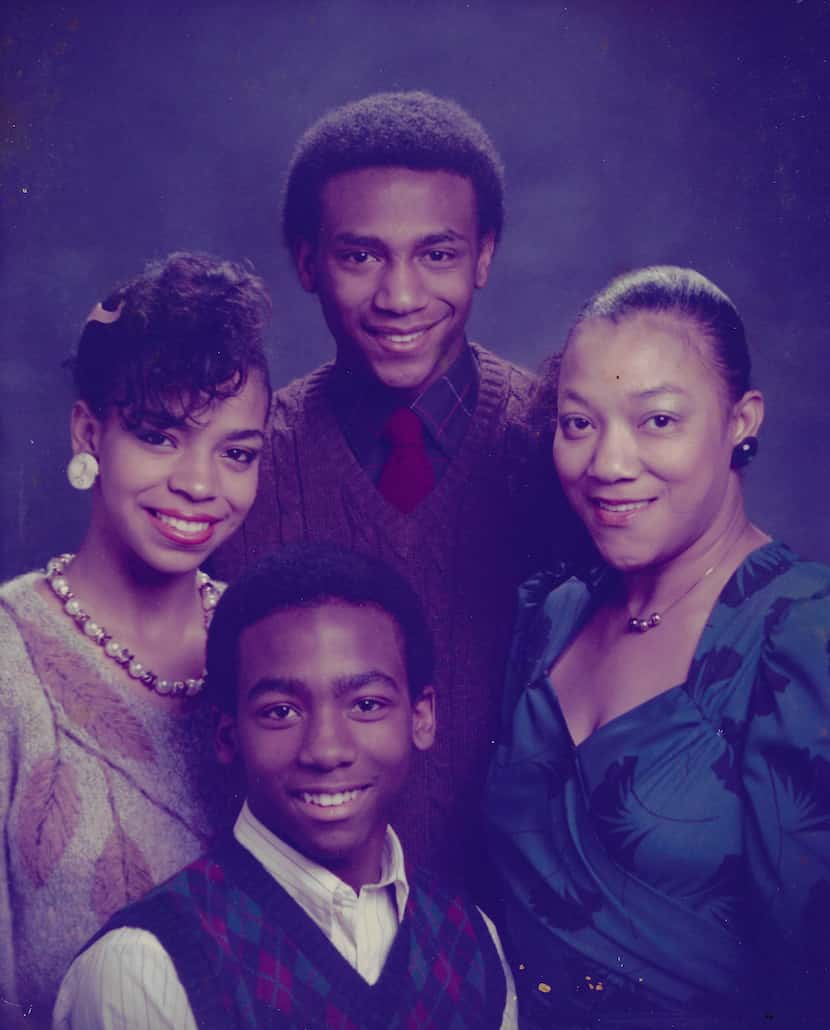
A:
[625,561]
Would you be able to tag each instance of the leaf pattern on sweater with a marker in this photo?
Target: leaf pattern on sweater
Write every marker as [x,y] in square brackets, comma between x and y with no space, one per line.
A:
[121,875]
[49,810]
[97,709]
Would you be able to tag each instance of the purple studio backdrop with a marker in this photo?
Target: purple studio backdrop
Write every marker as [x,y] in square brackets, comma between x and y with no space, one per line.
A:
[633,133]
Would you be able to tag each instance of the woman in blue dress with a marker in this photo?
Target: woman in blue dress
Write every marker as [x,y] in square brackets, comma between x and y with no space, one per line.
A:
[659,803]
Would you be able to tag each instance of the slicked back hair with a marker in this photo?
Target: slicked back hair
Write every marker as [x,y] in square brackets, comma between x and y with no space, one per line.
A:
[408,130]
[308,576]
[671,290]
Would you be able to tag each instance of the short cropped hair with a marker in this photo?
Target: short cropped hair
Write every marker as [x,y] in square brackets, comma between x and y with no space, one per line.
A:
[190,330]
[308,576]
[409,130]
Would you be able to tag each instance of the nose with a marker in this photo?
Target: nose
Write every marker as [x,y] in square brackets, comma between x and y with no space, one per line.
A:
[400,289]
[614,456]
[193,474]
[327,742]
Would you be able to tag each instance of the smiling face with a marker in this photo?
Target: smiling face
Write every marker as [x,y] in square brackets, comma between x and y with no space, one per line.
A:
[645,436]
[396,264]
[169,495]
[324,729]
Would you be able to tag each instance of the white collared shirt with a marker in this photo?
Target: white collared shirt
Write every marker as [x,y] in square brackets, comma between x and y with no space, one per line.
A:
[127,981]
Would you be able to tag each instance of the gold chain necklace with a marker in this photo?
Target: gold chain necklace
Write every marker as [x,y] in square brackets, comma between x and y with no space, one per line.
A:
[208,595]
[652,621]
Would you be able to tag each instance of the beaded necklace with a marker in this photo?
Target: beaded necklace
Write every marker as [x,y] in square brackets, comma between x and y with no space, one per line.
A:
[208,595]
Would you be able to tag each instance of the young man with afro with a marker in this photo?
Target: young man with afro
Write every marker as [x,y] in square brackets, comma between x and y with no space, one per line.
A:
[413,444]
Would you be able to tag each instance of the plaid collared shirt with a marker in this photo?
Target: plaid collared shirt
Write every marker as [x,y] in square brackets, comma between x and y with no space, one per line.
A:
[445,408]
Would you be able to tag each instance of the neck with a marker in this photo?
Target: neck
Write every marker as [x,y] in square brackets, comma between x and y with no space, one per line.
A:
[719,550]
[115,581]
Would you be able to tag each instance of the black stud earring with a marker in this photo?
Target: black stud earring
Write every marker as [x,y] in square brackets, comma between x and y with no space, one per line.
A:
[744,452]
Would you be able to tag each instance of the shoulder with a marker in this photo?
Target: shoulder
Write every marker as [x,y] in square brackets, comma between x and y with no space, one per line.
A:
[19,591]
[797,615]
[546,612]
[779,593]
[23,612]
[127,971]
[515,384]
[772,572]
[291,399]
[432,898]
[780,608]
[545,598]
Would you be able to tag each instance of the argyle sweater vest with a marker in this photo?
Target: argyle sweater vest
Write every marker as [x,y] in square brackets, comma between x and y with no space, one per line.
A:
[249,957]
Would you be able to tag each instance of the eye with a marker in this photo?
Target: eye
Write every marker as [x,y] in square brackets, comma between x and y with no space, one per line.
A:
[440,256]
[574,426]
[153,437]
[242,455]
[357,257]
[660,421]
[370,705]
[281,712]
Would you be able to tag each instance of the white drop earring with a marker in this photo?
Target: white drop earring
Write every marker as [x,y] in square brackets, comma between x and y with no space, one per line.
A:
[82,470]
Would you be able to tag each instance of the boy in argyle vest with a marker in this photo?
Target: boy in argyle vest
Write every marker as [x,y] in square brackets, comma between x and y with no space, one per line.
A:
[320,665]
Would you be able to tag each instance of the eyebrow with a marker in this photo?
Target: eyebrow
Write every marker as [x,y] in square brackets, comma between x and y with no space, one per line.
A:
[274,685]
[431,240]
[245,434]
[652,391]
[189,424]
[663,388]
[296,687]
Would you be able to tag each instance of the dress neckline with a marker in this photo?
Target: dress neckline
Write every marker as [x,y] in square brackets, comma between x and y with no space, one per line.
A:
[591,604]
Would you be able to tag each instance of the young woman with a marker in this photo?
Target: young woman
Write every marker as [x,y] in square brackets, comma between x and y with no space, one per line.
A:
[660,799]
[106,782]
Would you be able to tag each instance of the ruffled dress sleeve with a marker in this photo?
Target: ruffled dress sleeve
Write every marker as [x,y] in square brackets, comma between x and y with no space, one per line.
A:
[786,776]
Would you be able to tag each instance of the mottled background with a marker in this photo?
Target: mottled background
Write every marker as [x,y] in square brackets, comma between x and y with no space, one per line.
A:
[691,133]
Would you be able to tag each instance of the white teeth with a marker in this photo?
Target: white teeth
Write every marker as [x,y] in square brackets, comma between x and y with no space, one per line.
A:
[183,525]
[621,506]
[330,800]
[409,338]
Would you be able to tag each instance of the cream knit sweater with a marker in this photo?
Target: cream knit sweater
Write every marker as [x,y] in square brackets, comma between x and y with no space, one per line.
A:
[102,795]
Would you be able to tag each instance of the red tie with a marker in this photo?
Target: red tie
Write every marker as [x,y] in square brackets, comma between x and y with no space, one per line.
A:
[407,476]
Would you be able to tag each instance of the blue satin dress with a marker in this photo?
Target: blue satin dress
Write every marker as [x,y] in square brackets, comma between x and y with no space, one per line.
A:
[673,870]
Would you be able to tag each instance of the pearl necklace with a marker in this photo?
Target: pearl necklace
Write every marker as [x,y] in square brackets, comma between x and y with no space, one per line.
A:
[208,595]
[652,621]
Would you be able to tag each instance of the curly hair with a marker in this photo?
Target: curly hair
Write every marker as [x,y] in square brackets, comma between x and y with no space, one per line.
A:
[307,576]
[409,130]
[188,330]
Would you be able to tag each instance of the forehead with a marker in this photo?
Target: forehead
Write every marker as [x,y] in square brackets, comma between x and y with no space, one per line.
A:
[322,643]
[380,201]
[639,352]
[181,410]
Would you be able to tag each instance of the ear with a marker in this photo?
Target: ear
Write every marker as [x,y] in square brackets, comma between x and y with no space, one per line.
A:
[747,416]
[84,429]
[304,260]
[486,249]
[423,719]
[226,739]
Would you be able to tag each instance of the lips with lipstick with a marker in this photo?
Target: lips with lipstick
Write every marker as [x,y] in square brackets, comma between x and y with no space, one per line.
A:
[618,511]
[182,528]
